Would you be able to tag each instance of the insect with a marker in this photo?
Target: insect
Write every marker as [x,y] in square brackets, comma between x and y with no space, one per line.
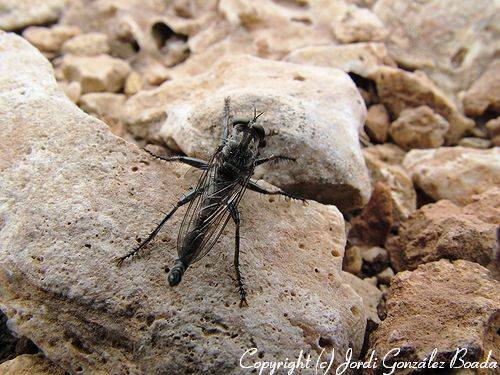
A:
[214,201]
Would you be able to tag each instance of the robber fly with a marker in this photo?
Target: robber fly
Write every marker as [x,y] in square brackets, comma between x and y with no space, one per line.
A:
[214,200]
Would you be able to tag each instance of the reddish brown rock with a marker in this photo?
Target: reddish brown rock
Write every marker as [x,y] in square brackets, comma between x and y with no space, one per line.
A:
[399,90]
[443,230]
[375,221]
[493,127]
[440,305]
[377,123]
[384,163]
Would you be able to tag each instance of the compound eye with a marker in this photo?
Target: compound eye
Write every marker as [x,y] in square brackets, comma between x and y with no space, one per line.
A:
[240,122]
[261,134]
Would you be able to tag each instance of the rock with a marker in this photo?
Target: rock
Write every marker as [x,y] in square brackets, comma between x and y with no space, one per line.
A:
[377,123]
[96,73]
[485,206]
[454,173]
[399,90]
[375,221]
[352,261]
[18,14]
[384,277]
[387,153]
[72,90]
[49,39]
[493,127]
[370,295]
[66,219]
[443,230]
[30,364]
[133,84]
[375,259]
[419,128]
[452,41]
[484,94]
[440,305]
[473,142]
[103,104]
[371,281]
[358,25]
[383,162]
[89,44]
[316,112]
[358,58]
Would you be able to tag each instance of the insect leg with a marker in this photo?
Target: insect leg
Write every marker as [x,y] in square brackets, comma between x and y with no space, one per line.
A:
[185,199]
[197,163]
[273,158]
[254,187]
[239,279]
[225,119]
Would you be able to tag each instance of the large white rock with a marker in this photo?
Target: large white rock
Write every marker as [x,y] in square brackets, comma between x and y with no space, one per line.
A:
[317,113]
[73,197]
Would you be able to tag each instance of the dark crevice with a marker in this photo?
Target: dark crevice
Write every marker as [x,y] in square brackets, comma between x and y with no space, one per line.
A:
[12,346]
[162,33]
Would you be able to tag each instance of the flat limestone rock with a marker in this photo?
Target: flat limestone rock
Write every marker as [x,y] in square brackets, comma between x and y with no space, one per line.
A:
[359,58]
[315,113]
[453,41]
[73,197]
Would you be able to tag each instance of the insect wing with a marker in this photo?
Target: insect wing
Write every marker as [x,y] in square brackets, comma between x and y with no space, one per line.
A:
[219,222]
[208,214]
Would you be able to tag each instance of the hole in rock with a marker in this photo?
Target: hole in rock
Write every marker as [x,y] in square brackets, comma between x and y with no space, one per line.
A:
[162,33]
[459,57]
[325,342]
[304,20]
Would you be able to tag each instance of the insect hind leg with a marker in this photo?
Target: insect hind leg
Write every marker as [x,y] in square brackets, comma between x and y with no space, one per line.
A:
[239,279]
[185,199]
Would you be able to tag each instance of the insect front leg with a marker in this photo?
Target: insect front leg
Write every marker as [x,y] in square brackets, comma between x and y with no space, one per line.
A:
[252,185]
[275,158]
[197,163]
[239,279]
[185,199]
